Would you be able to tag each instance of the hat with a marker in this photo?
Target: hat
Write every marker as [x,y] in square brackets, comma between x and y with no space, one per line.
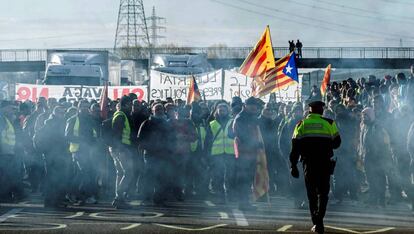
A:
[252,101]
[316,104]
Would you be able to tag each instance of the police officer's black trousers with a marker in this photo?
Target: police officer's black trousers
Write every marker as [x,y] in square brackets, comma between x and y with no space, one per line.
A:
[317,179]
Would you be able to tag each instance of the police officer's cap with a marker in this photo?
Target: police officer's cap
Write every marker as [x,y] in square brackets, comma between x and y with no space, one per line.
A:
[316,104]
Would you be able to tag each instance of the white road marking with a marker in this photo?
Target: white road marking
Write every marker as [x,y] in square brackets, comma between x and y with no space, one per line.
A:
[366,232]
[209,203]
[342,229]
[379,230]
[102,215]
[240,219]
[78,214]
[223,215]
[190,229]
[131,226]
[14,227]
[11,212]
[135,203]
[284,228]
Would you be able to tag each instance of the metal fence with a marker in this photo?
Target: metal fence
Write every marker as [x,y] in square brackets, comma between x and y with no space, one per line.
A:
[229,52]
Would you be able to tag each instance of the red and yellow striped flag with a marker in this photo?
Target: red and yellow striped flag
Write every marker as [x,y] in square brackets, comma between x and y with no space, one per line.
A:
[326,80]
[282,75]
[261,178]
[261,58]
[193,92]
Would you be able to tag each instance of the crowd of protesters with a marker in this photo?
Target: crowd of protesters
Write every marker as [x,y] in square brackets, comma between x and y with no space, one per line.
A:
[166,150]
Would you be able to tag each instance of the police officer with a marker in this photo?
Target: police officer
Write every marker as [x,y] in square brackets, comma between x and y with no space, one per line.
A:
[313,141]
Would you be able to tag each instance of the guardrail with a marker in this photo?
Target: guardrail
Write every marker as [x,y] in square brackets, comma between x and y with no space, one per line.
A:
[228,52]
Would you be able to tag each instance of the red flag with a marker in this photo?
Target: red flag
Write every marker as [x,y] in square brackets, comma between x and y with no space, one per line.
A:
[103,103]
[326,80]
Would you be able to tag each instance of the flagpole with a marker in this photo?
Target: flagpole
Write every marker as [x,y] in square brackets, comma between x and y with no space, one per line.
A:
[271,42]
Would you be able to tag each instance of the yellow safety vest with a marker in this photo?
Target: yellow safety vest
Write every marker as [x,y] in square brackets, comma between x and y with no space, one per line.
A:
[8,138]
[126,132]
[222,143]
[74,147]
[202,134]
[315,126]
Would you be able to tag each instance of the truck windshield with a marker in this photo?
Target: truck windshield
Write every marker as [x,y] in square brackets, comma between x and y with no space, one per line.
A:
[72,80]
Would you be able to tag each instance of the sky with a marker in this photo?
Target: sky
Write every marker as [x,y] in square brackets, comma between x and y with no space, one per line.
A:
[42,24]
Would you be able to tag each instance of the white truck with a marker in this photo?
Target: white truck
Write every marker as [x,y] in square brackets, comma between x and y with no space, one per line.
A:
[183,64]
[82,67]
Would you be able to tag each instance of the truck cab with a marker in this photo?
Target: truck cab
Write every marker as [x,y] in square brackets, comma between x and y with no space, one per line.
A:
[57,74]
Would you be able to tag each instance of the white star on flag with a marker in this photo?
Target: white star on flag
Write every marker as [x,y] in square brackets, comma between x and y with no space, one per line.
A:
[289,69]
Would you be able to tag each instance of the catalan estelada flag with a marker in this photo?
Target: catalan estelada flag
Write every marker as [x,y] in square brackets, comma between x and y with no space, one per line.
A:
[326,80]
[284,73]
[193,92]
[261,58]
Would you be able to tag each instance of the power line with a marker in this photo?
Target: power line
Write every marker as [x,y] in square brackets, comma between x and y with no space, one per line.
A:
[346,12]
[396,36]
[363,10]
[292,20]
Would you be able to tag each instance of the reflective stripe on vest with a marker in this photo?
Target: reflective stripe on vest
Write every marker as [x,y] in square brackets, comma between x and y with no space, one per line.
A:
[126,132]
[222,144]
[201,134]
[8,138]
[315,126]
[73,147]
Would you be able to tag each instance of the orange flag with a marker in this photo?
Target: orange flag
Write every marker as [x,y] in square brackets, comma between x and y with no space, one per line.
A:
[261,58]
[193,92]
[326,80]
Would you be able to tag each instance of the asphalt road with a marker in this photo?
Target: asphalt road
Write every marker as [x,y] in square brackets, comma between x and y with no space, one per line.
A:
[201,216]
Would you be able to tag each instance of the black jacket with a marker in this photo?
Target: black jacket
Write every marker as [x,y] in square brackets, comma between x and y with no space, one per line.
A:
[154,137]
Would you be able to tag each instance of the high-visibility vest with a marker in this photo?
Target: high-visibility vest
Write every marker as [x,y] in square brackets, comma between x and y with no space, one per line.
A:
[8,138]
[201,134]
[74,147]
[126,132]
[315,126]
[222,143]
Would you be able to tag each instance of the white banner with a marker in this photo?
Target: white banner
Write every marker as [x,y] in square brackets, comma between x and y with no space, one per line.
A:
[236,84]
[73,92]
[165,85]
